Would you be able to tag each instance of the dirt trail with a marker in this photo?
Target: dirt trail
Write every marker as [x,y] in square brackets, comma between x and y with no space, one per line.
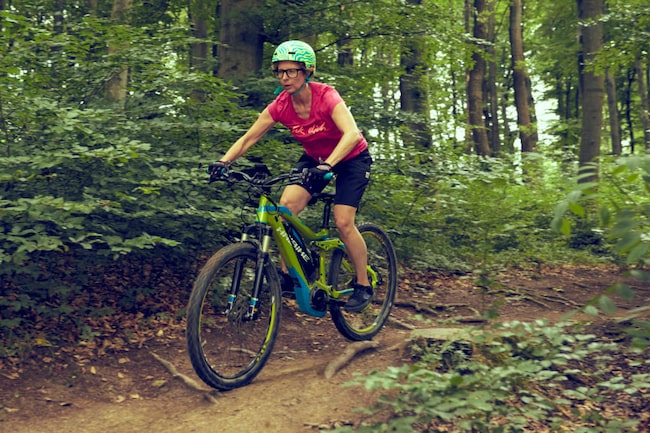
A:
[290,395]
[131,392]
[286,398]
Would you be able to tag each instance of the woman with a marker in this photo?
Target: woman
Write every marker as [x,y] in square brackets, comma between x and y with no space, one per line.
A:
[319,119]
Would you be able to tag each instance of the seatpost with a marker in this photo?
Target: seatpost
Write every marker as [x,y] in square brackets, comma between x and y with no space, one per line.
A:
[327,213]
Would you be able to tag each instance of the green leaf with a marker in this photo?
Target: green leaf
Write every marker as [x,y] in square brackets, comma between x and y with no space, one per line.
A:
[480,400]
[456,380]
[628,241]
[640,275]
[622,290]
[637,252]
[604,215]
[577,209]
[591,310]
[606,304]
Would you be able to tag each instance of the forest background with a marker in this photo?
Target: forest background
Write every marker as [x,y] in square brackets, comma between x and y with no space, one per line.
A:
[505,134]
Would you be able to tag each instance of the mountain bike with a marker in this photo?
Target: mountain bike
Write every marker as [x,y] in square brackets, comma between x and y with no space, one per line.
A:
[233,313]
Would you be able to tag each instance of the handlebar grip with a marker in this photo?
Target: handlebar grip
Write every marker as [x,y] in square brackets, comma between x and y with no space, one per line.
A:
[329,175]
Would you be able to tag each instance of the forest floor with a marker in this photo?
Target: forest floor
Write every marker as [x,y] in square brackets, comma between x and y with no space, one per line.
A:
[128,390]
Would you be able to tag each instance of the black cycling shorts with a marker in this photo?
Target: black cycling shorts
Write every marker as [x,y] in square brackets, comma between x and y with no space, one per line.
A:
[352,177]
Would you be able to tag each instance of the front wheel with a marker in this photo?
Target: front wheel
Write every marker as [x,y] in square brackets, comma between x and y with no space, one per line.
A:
[230,333]
[382,270]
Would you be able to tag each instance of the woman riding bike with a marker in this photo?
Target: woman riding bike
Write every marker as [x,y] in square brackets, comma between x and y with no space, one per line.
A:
[319,119]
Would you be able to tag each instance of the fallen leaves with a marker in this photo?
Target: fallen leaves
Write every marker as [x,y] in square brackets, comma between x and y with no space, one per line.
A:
[121,399]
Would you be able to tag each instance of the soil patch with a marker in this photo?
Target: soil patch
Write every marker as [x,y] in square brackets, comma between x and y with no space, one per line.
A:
[69,390]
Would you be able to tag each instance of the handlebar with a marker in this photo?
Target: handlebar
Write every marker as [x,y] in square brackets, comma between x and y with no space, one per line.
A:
[260,176]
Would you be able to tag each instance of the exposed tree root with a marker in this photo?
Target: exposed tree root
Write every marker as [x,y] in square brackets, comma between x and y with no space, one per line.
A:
[424,308]
[187,381]
[417,306]
[471,319]
[350,352]
[534,296]
[400,323]
[427,308]
[400,346]
[530,295]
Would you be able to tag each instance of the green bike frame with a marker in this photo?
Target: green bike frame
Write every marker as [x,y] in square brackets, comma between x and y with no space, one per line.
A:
[271,215]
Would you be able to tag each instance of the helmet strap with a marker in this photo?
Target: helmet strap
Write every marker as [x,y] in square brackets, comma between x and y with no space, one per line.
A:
[305,84]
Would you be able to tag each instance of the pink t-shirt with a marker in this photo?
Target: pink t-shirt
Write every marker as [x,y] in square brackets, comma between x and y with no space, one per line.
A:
[318,135]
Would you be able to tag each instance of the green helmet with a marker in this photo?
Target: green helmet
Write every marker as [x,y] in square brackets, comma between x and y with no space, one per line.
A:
[295,51]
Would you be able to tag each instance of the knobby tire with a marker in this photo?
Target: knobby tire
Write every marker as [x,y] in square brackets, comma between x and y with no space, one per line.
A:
[383,261]
[229,349]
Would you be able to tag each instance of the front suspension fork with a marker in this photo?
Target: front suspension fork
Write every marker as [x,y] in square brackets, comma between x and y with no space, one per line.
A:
[262,257]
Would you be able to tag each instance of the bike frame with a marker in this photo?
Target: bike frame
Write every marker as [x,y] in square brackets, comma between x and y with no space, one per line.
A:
[269,225]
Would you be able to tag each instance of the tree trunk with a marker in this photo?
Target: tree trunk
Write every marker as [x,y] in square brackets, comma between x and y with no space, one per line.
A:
[591,40]
[92,7]
[521,81]
[467,18]
[200,14]
[475,84]
[117,83]
[492,89]
[643,95]
[612,108]
[414,92]
[241,44]
[628,108]
[59,10]
[345,55]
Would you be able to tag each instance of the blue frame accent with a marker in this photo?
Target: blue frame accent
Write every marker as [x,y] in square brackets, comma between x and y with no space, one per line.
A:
[302,296]
[302,290]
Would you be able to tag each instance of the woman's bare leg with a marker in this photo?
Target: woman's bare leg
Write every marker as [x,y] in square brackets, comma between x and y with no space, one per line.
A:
[355,245]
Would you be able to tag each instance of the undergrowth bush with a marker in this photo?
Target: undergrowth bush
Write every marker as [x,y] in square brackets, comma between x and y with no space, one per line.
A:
[467,214]
[514,377]
[617,209]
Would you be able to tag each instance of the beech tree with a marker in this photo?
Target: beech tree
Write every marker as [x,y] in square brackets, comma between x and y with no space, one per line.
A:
[526,120]
[612,109]
[477,75]
[413,86]
[592,84]
[240,38]
[493,85]
[642,77]
[118,81]
[202,15]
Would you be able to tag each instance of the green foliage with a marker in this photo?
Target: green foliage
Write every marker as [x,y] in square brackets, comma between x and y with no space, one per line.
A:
[465,213]
[618,206]
[516,377]
[84,182]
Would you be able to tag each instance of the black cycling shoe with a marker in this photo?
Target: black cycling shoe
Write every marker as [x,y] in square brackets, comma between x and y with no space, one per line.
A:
[286,285]
[360,299]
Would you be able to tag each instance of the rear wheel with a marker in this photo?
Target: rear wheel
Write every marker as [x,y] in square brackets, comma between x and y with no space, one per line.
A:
[227,343]
[382,270]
